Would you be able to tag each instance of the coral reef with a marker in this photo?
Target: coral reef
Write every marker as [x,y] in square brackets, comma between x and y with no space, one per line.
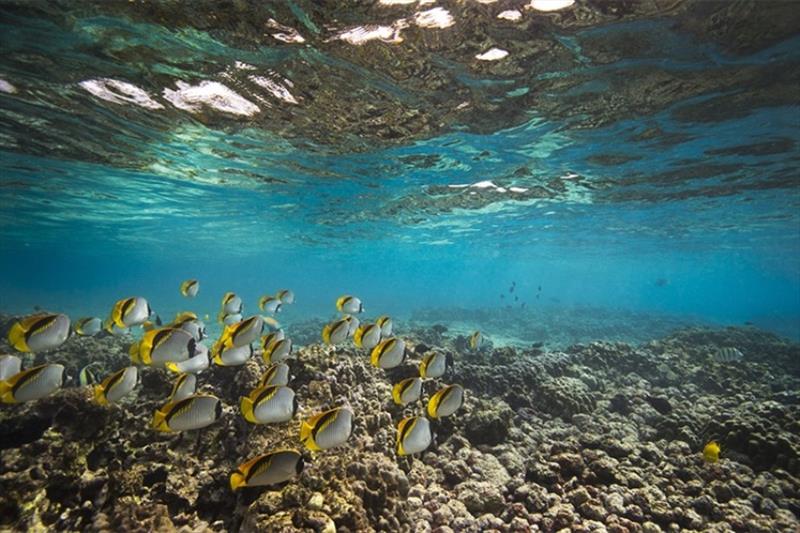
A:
[600,436]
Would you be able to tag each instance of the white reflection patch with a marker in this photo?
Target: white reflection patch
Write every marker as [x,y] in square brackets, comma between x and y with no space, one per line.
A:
[119,92]
[493,54]
[511,14]
[275,88]
[7,87]
[286,34]
[212,94]
[550,5]
[363,34]
[438,17]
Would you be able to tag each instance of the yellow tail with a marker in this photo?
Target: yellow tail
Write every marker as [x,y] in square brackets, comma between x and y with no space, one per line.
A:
[6,396]
[16,338]
[173,367]
[237,480]
[158,421]
[326,333]
[396,393]
[246,405]
[99,397]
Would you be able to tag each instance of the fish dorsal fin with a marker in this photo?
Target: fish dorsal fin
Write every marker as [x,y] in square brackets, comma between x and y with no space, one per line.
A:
[264,394]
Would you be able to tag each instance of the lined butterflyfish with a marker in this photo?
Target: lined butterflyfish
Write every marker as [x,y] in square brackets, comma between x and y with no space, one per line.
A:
[433,365]
[116,386]
[228,319]
[277,351]
[413,435]
[9,365]
[385,323]
[185,385]
[277,374]
[195,364]
[196,328]
[389,353]
[335,332]
[446,401]
[190,287]
[39,332]
[367,336]
[328,429]
[231,304]
[286,296]
[475,340]
[352,324]
[193,412]
[271,337]
[86,375]
[244,332]
[130,312]
[32,384]
[407,391]
[349,304]
[268,469]
[88,326]
[160,346]
[269,304]
[230,355]
[270,404]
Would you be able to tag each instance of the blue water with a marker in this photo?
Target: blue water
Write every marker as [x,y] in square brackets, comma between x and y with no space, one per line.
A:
[102,200]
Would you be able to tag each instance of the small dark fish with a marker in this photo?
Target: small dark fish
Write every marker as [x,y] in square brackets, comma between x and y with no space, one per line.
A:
[661,282]
[659,403]
[540,288]
[516,298]
[508,306]
[537,296]
[511,289]
[37,308]
[522,305]
[502,296]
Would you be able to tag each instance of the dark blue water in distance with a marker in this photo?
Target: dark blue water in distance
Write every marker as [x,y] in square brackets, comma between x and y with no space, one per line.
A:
[682,202]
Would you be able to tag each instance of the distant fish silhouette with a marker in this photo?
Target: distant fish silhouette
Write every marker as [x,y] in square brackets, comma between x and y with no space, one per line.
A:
[516,298]
[522,306]
[661,282]
[540,288]
[502,296]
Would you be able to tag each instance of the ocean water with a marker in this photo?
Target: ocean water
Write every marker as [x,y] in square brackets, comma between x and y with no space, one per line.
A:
[602,171]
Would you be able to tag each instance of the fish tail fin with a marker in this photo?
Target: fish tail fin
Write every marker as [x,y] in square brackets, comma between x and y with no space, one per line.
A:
[99,397]
[16,337]
[358,338]
[6,394]
[158,421]
[237,481]
[246,405]
[396,394]
[326,334]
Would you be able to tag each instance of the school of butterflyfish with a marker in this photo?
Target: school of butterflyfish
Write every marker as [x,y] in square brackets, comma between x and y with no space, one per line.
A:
[178,348]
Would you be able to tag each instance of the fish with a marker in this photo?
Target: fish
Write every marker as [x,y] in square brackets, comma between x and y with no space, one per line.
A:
[475,340]
[349,304]
[728,354]
[413,435]
[185,385]
[269,304]
[352,324]
[285,296]
[407,391]
[336,332]
[193,412]
[367,336]
[433,365]
[386,325]
[231,304]
[160,346]
[88,326]
[271,404]
[32,384]
[711,451]
[129,312]
[271,468]
[190,287]
[389,353]
[277,374]
[327,429]
[243,333]
[39,332]
[277,351]
[661,282]
[271,337]
[446,401]
[196,328]
[86,376]
[9,365]
[228,319]
[195,364]
[231,356]
[116,386]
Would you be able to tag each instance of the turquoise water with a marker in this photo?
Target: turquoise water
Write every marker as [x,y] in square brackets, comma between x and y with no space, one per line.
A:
[686,206]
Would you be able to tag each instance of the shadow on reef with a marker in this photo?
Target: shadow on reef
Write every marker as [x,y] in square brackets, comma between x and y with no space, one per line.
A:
[598,435]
